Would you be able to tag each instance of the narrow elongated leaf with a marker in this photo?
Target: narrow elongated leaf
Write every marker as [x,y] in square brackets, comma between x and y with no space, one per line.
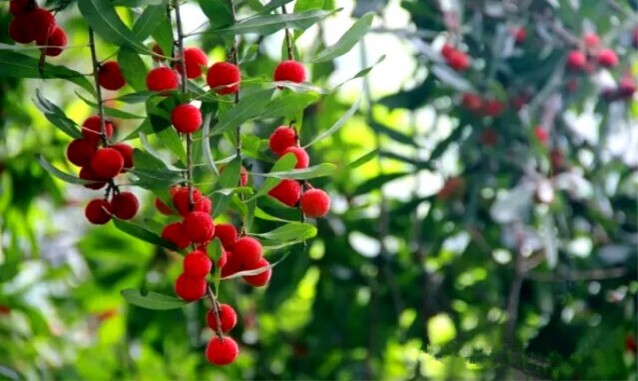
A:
[142,233]
[163,35]
[102,17]
[295,231]
[22,66]
[288,105]
[208,154]
[139,97]
[59,174]
[269,24]
[335,127]
[152,300]
[229,178]
[259,270]
[273,5]
[110,111]
[451,78]
[349,39]
[171,140]
[133,68]
[56,116]
[285,163]
[217,12]
[306,5]
[363,72]
[149,20]
[321,170]
[377,182]
[362,160]
[249,107]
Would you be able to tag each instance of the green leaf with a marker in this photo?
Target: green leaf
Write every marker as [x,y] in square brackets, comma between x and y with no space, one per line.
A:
[149,20]
[133,68]
[163,35]
[274,4]
[215,253]
[259,213]
[102,17]
[362,160]
[376,182]
[306,5]
[139,97]
[136,3]
[206,151]
[321,170]
[249,107]
[363,72]
[152,300]
[109,111]
[18,65]
[452,78]
[294,231]
[158,156]
[143,234]
[59,174]
[257,271]
[285,163]
[269,24]
[170,138]
[229,178]
[349,39]
[288,105]
[56,116]
[217,11]
[335,127]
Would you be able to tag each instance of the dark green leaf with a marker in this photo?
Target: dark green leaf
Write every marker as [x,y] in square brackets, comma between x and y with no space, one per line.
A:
[217,12]
[362,160]
[133,68]
[376,182]
[59,174]
[294,231]
[249,107]
[149,20]
[56,116]
[288,105]
[269,24]
[349,39]
[321,170]
[335,127]
[152,300]
[142,234]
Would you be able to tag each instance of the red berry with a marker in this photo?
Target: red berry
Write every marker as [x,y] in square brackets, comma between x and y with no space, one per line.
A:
[20,30]
[576,60]
[447,50]
[20,7]
[160,53]
[127,154]
[195,58]
[197,264]
[493,108]
[223,258]
[232,265]
[302,156]
[162,79]
[55,42]
[186,118]
[282,138]
[204,205]
[315,203]
[472,102]
[262,278]
[520,35]
[107,163]
[223,78]
[227,234]
[222,351]
[591,40]
[290,70]
[630,343]
[80,152]
[92,127]
[181,200]
[42,23]
[163,208]
[454,187]
[125,205]
[175,234]
[458,61]
[87,173]
[626,87]
[98,211]
[243,176]
[287,191]
[541,134]
[189,288]
[199,227]
[247,251]
[607,58]
[110,76]
[227,318]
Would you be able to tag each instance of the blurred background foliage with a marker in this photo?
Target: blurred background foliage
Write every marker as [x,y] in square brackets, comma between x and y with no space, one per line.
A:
[428,249]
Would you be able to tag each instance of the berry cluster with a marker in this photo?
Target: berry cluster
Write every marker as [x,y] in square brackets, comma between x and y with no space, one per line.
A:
[100,163]
[313,202]
[482,106]
[455,58]
[31,23]
[221,350]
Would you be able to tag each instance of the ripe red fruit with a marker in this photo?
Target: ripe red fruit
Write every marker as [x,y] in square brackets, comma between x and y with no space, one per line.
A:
[222,351]
[197,264]
[262,278]
[199,227]
[195,58]
[227,234]
[87,173]
[630,343]
[315,203]
[92,127]
[223,78]
[591,40]
[127,154]
[247,251]
[446,50]
[189,288]
[56,42]
[626,87]
[162,79]
[243,176]
[576,60]
[42,23]
[157,50]
[223,258]
[493,108]
[541,134]
[458,61]
[287,191]
[181,200]
[125,205]
[282,138]
[227,318]
[110,76]
[232,265]
[175,234]
[607,58]
[20,7]
[454,187]
[98,211]
[520,35]
[107,163]
[186,118]
[20,30]
[204,205]
[165,210]
[302,156]
[80,152]
[472,102]
[290,70]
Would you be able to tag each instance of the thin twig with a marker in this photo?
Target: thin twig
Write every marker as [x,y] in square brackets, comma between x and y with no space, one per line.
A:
[215,306]
[98,88]
[291,53]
